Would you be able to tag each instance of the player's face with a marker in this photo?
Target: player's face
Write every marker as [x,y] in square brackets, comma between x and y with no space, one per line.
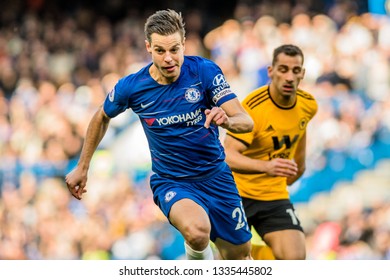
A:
[286,74]
[167,56]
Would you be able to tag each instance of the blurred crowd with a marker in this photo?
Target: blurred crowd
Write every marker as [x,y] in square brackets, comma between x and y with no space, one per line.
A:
[56,70]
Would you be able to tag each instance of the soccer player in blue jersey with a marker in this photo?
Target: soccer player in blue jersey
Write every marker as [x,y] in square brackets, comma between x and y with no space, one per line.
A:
[181,101]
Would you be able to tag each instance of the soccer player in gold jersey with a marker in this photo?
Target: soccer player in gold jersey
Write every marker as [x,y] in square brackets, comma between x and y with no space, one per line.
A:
[272,157]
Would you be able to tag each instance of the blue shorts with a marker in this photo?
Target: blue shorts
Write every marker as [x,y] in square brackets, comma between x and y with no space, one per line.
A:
[217,195]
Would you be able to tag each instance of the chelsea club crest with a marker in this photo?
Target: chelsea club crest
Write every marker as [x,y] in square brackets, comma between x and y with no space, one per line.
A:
[192,95]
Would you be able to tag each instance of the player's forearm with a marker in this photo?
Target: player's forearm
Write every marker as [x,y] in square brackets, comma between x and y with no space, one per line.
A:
[95,133]
[243,164]
[240,123]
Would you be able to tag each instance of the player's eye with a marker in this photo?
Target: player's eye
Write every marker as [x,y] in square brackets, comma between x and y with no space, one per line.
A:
[283,69]
[174,50]
[160,51]
[297,70]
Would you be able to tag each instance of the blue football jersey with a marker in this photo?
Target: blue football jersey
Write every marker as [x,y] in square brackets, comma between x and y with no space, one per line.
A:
[173,116]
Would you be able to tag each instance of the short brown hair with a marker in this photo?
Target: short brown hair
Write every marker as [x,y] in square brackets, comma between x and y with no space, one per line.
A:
[164,22]
[290,50]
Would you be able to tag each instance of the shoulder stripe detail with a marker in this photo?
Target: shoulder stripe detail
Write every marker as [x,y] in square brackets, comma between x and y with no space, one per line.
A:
[258,99]
[305,95]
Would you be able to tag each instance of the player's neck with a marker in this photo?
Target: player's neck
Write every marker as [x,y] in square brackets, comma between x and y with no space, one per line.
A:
[280,99]
[159,78]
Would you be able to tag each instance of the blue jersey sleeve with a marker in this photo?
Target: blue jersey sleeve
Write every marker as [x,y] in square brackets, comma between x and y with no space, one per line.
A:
[116,101]
[216,85]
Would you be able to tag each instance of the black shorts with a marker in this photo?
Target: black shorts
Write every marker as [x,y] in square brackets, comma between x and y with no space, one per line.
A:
[269,216]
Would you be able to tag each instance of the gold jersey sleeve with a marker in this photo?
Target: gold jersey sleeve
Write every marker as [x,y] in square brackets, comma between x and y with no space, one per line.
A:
[276,134]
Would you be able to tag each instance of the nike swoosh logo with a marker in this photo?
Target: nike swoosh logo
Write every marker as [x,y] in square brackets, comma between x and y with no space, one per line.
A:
[196,84]
[143,106]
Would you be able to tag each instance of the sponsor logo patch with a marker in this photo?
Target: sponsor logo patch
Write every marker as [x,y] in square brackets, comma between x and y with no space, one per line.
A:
[150,121]
[182,118]
[218,80]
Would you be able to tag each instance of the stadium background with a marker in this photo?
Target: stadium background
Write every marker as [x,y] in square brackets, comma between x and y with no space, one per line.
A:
[59,58]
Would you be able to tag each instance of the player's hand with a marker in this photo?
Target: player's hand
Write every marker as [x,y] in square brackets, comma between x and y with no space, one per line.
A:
[76,182]
[282,167]
[216,115]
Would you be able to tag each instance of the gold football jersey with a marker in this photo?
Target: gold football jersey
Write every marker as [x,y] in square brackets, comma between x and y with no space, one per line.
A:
[276,134]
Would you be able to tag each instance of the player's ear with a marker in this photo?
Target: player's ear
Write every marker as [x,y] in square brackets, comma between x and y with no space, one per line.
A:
[148,46]
[269,71]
